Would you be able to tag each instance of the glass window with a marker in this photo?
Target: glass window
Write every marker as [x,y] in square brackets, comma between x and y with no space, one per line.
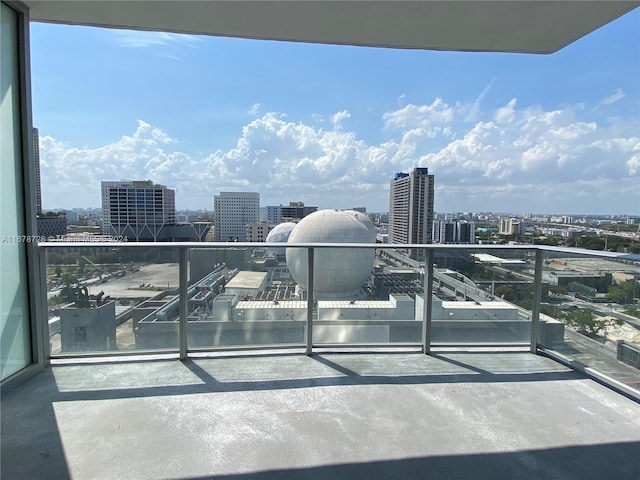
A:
[15,346]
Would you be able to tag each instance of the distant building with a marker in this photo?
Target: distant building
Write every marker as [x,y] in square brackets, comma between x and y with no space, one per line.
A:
[271,214]
[36,155]
[411,209]
[258,231]
[511,226]
[52,226]
[465,232]
[233,212]
[444,232]
[295,211]
[137,210]
[142,211]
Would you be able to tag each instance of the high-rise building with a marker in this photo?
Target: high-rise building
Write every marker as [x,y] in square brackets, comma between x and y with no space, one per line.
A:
[36,156]
[411,209]
[52,224]
[233,212]
[137,210]
[511,226]
[460,231]
[465,232]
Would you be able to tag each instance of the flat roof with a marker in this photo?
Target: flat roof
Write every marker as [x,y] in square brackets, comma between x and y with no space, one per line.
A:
[347,304]
[478,305]
[247,279]
[486,258]
[270,304]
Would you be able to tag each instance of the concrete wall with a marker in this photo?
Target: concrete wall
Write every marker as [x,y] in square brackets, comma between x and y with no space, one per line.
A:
[88,329]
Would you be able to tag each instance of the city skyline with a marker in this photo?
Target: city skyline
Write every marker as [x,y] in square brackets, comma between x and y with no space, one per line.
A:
[330,125]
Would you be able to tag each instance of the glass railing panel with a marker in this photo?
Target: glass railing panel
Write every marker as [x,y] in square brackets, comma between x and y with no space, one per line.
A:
[367,296]
[112,299]
[482,297]
[243,297]
[594,298]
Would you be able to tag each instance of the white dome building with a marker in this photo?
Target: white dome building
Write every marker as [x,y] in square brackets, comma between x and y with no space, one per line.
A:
[338,273]
[279,234]
[366,221]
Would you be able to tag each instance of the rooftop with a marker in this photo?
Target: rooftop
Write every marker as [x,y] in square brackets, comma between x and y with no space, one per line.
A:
[336,416]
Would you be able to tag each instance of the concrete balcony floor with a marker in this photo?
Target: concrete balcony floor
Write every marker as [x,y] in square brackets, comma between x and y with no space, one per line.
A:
[330,416]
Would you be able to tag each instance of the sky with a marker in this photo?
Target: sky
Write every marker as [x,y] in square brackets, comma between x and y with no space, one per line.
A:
[330,125]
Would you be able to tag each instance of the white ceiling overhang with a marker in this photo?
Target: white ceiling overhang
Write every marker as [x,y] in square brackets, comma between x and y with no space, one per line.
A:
[495,26]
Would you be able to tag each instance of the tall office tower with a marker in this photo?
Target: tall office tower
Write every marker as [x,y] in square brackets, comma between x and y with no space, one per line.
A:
[444,231]
[36,156]
[137,210]
[411,209]
[233,212]
[465,232]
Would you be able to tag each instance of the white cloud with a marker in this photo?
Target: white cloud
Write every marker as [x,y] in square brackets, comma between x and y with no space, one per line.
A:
[506,114]
[255,109]
[527,159]
[142,39]
[613,98]
[423,116]
[338,118]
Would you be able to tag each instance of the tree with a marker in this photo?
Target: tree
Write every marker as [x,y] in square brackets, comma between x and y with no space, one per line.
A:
[624,292]
[58,272]
[586,323]
[558,290]
[505,293]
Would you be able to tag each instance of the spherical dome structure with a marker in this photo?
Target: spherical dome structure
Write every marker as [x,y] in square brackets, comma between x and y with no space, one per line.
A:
[337,272]
[280,234]
[366,221]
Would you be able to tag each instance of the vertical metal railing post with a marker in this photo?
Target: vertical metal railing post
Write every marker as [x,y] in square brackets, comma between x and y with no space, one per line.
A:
[184,302]
[42,313]
[309,347]
[427,303]
[537,294]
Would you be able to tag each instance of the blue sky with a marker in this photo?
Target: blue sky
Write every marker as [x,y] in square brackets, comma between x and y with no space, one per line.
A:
[329,125]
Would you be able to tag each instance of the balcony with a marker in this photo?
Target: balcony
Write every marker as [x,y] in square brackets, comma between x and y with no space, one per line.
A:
[279,381]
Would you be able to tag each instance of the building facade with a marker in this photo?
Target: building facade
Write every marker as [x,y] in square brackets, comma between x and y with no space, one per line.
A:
[258,231]
[233,212]
[137,210]
[36,158]
[295,211]
[411,209]
[511,226]
[460,231]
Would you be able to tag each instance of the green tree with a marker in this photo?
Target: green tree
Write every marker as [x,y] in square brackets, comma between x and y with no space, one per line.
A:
[58,272]
[505,292]
[586,323]
[624,292]
[557,290]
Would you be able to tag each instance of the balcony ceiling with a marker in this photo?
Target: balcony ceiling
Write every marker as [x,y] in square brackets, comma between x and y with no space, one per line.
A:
[497,26]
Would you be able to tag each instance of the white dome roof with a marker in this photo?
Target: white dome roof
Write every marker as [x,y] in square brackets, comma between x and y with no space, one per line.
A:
[366,221]
[280,234]
[338,272]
